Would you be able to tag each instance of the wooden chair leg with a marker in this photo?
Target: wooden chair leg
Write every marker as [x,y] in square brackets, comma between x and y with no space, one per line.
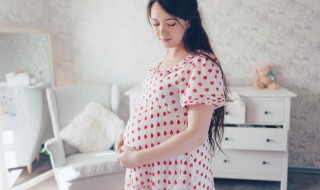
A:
[29,168]
[38,157]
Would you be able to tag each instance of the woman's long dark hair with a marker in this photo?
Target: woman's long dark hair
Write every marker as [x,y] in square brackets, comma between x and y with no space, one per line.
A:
[194,39]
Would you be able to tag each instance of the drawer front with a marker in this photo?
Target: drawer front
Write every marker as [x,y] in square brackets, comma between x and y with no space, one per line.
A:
[246,138]
[262,111]
[234,113]
[263,163]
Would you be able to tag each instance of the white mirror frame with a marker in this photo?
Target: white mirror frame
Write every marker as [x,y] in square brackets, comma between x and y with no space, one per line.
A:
[3,171]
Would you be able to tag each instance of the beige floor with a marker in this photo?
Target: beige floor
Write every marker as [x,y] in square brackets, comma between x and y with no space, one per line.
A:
[49,184]
[296,180]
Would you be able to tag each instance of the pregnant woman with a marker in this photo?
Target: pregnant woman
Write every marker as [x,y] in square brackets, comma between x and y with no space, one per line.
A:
[168,142]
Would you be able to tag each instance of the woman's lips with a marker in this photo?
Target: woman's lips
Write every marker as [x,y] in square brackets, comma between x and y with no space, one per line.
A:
[166,40]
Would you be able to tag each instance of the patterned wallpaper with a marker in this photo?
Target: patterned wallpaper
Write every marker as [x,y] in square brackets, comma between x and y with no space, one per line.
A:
[111,41]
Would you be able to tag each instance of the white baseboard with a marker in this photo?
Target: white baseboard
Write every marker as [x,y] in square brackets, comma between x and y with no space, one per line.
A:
[34,181]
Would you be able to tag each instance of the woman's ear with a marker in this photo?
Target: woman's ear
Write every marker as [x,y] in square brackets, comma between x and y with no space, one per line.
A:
[188,24]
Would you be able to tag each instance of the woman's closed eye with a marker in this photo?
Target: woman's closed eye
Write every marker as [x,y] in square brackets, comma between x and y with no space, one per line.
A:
[171,23]
[155,24]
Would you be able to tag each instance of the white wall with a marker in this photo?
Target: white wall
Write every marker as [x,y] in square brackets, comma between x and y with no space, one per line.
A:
[99,41]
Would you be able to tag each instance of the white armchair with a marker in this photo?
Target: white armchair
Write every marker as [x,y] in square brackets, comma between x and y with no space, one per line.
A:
[72,169]
[26,118]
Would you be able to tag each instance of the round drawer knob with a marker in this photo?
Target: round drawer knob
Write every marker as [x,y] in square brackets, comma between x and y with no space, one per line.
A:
[227,113]
[264,162]
[268,140]
[266,112]
[225,160]
[226,139]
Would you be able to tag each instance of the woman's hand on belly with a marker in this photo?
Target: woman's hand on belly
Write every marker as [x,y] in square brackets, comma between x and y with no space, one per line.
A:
[128,157]
[118,145]
[119,142]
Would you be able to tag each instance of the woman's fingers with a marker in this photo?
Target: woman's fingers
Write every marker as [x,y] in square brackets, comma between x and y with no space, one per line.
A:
[120,137]
[119,150]
[117,155]
[120,143]
[120,140]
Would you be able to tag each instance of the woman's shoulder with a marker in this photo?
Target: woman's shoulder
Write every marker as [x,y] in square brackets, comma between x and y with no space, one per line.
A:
[201,56]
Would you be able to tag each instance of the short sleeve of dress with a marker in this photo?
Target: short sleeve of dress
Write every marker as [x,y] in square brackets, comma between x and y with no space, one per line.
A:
[203,83]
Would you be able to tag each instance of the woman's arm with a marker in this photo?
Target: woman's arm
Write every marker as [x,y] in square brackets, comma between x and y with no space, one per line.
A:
[199,118]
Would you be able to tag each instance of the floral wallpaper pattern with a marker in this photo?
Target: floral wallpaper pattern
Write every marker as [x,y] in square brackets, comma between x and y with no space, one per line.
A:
[111,41]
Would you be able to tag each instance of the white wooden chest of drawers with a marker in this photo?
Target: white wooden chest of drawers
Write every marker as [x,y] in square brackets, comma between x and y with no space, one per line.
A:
[255,141]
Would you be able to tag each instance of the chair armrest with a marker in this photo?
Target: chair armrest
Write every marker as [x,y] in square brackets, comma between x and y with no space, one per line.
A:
[53,110]
[55,148]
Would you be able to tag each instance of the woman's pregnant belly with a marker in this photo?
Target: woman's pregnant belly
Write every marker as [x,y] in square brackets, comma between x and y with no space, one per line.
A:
[149,129]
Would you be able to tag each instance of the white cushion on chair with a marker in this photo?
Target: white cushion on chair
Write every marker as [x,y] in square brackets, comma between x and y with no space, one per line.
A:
[93,129]
[82,165]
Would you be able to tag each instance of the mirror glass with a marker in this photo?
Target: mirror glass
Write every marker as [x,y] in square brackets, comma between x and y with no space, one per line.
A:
[25,52]
[25,73]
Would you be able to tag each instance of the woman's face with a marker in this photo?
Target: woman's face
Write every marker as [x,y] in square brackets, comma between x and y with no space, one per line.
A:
[168,29]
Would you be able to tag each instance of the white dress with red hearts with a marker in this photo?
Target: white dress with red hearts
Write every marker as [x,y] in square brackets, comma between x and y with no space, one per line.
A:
[163,113]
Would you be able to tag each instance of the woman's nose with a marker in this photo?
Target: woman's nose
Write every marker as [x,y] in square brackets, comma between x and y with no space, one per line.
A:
[162,30]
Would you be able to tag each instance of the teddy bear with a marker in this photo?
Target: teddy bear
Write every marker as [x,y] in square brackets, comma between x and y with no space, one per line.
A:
[265,78]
